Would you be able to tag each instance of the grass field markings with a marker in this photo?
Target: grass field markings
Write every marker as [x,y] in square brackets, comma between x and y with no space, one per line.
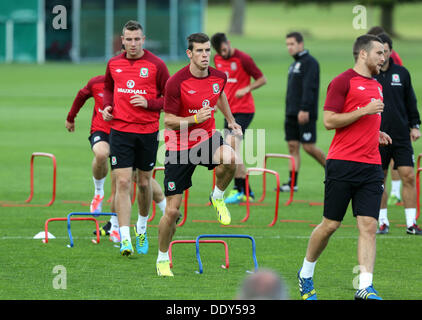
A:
[82,203]
[205,221]
[186,237]
[341,226]
[234,226]
[295,221]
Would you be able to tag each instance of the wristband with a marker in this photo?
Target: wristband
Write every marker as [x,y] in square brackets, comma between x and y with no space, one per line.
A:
[195,118]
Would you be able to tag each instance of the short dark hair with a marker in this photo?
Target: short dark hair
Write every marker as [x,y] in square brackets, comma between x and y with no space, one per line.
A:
[197,38]
[386,39]
[376,30]
[297,35]
[364,43]
[217,39]
[132,25]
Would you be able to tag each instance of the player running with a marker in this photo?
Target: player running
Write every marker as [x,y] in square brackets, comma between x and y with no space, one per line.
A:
[191,97]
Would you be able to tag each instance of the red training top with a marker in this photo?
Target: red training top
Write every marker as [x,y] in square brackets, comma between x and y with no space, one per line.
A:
[94,88]
[358,141]
[185,94]
[146,76]
[239,69]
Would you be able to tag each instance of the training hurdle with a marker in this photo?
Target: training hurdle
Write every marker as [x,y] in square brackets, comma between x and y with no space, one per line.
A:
[264,179]
[264,171]
[72,219]
[226,249]
[185,213]
[84,214]
[198,256]
[31,194]
[418,185]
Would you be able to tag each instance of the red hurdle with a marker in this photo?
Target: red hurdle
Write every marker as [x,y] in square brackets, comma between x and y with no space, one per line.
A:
[185,213]
[263,170]
[226,248]
[293,168]
[418,186]
[73,219]
[52,157]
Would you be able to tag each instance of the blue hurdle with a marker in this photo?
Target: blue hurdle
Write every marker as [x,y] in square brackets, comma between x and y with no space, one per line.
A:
[84,214]
[198,257]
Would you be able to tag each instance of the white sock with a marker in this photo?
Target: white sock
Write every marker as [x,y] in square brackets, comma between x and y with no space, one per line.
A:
[114,222]
[162,205]
[383,217]
[125,233]
[141,224]
[308,268]
[99,186]
[395,188]
[217,194]
[163,256]
[410,216]
[365,280]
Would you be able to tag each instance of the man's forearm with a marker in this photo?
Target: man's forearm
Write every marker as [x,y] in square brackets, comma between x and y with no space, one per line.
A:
[333,120]
[174,122]
[224,107]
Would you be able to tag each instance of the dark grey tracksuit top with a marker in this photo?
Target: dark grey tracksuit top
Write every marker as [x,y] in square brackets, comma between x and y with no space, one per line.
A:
[400,106]
[303,85]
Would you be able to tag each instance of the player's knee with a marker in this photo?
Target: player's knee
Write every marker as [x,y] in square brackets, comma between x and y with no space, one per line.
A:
[172,214]
[144,183]
[293,147]
[408,178]
[102,156]
[124,183]
[330,226]
[309,147]
[367,226]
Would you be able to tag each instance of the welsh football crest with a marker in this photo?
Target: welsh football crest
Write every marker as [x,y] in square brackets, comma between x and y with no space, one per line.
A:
[395,77]
[171,186]
[143,72]
[215,88]
[113,160]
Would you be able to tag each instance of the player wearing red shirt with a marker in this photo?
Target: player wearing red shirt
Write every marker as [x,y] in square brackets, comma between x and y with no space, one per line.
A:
[100,145]
[133,90]
[99,135]
[353,108]
[191,96]
[239,68]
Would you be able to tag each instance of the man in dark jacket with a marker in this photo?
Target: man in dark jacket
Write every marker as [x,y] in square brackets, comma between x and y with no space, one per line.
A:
[401,121]
[301,105]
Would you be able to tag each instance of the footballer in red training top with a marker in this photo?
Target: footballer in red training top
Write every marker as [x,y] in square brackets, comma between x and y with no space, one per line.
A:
[185,97]
[94,88]
[99,135]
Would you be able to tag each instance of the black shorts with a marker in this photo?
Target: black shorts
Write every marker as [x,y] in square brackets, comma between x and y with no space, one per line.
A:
[133,150]
[400,151]
[361,183]
[98,136]
[180,165]
[242,119]
[296,132]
